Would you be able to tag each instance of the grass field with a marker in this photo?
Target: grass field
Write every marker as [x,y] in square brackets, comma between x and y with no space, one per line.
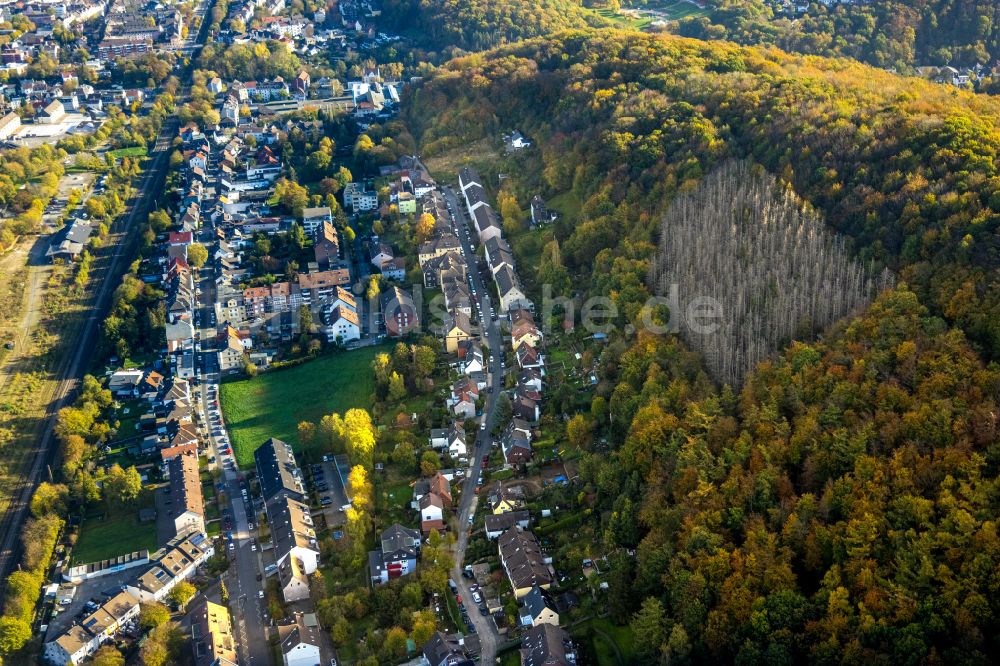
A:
[134,151]
[669,10]
[119,533]
[609,644]
[678,9]
[274,403]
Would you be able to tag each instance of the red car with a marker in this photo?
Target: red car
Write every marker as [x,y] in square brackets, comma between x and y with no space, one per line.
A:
[458,598]
[477,489]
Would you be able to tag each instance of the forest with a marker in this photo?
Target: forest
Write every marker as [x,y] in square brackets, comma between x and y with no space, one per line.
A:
[886,33]
[774,271]
[474,25]
[840,506]
[905,169]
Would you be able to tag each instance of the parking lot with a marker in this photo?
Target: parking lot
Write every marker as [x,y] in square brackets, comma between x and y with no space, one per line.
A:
[330,491]
[96,590]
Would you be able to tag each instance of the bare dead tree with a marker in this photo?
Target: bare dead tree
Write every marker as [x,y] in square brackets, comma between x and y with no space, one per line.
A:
[766,257]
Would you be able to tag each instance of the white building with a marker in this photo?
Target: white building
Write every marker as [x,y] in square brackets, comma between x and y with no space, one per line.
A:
[300,641]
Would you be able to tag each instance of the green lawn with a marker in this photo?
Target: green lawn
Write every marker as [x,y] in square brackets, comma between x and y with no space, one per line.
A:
[274,403]
[608,643]
[118,533]
[677,9]
[134,151]
[129,422]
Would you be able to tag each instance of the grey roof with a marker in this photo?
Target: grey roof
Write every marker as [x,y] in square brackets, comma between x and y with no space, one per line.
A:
[443,649]
[507,280]
[485,217]
[468,175]
[504,521]
[277,470]
[476,194]
[399,541]
[536,601]
[547,645]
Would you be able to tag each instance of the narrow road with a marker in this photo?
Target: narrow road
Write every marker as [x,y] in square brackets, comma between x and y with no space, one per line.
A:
[486,628]
[248,607]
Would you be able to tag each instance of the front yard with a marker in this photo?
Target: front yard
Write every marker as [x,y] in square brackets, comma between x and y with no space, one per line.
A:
[274,403]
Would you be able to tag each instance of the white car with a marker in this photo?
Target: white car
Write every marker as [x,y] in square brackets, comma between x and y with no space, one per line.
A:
[482,426]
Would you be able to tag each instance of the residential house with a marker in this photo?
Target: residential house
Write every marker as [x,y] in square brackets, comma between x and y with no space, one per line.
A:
[507,499]
[445,650]
[379,253]
[277,472]
[442,244]
[540,213]
[457,327]
[395,269]
[510,290]
[399,311]
[344,325]
[526,404]
[232,353]
[523,561]
[464,394]
[497,524]
[471,359]
[528,358]
[358,199]
[179,334]
[516,442]
[498,253]
[547,645]
[467,177]
[516,141]
[293,580]
[187,507]
[176,561]
[314,218]
[439,485]
[125,383]
[293,533]
[83,639]
[431,513]
[212,639]
[538,607]
[523,330]
[400,547]
[487,224]
[300,640]
[71,647]
[327,245]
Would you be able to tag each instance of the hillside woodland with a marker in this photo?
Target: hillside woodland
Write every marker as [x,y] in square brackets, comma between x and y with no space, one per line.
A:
[905,169]
[767,260]
[474,25]
[886,33]
[840,507]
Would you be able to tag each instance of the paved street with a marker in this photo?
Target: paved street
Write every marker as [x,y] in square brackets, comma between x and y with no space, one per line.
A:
[485,627]
[249,610]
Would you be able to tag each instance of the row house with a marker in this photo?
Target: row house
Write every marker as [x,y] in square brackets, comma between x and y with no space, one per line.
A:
[83,639]
[176,561]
